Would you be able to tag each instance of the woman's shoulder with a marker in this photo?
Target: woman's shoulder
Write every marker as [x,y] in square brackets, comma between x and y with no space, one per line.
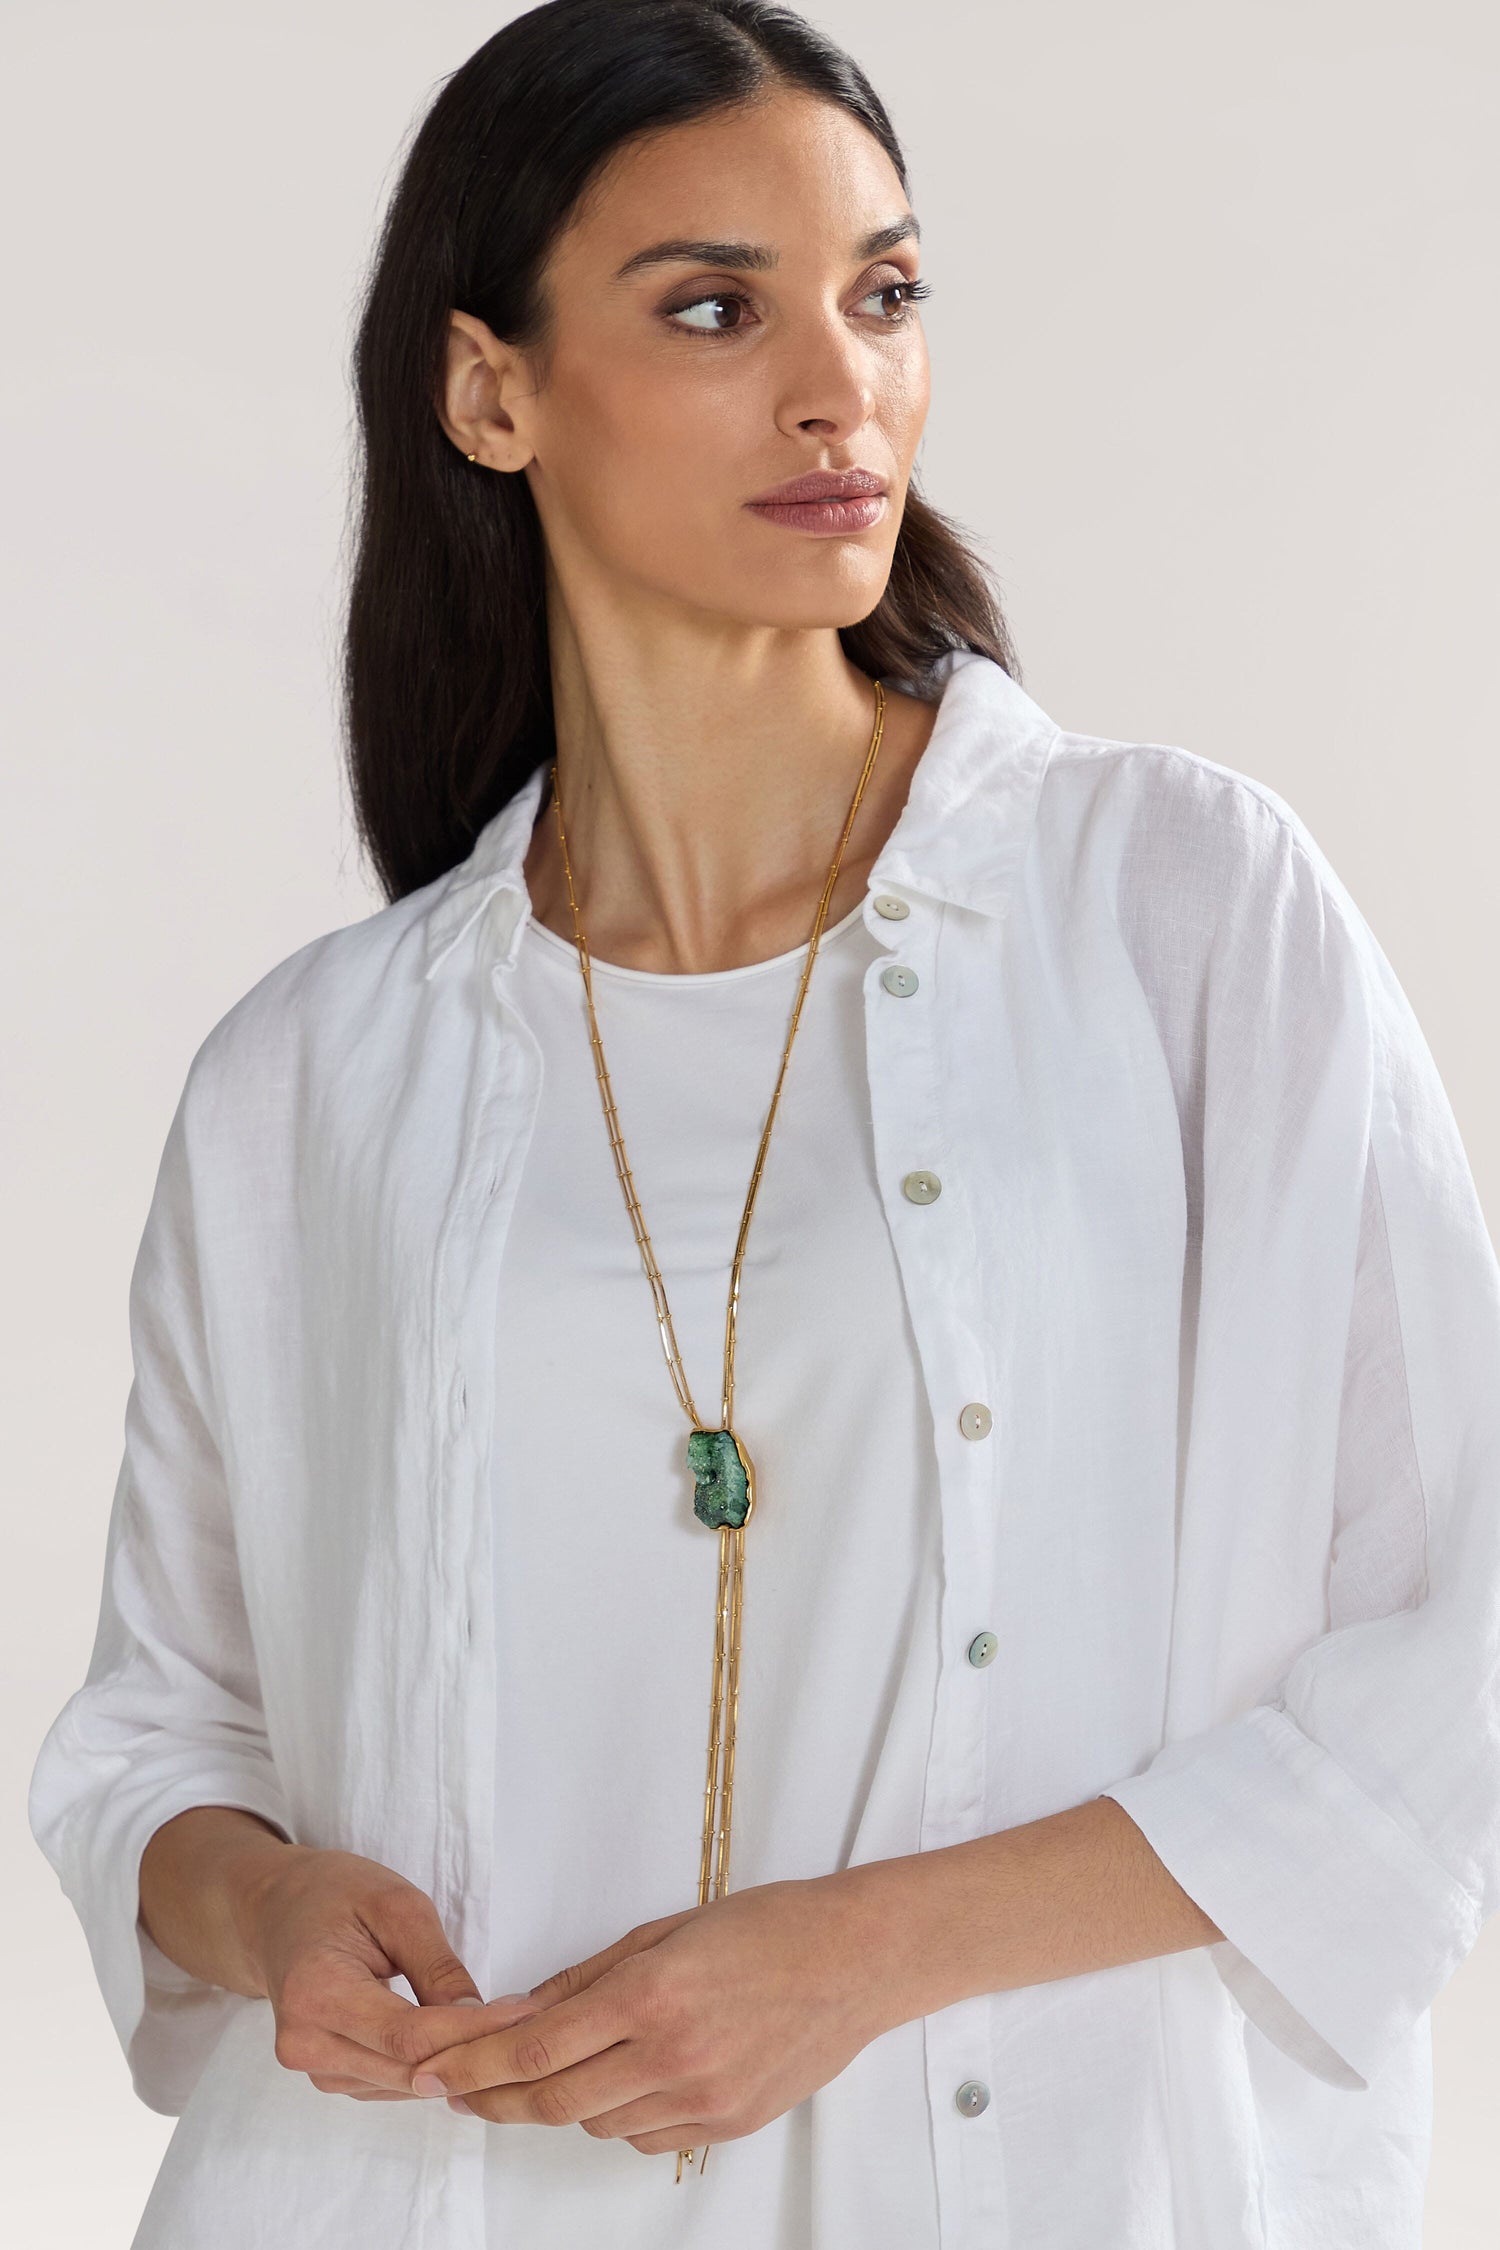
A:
[1186,803]
[1218,893]
[330,1013]
[1184,841]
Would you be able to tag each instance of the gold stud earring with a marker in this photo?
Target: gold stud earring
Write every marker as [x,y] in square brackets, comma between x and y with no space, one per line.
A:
[471,456]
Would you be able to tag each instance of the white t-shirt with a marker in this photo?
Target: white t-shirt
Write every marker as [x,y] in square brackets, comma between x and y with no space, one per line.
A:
[606,1581]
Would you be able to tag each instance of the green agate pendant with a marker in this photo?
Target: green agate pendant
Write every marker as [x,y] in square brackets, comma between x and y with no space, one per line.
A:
[724,1476]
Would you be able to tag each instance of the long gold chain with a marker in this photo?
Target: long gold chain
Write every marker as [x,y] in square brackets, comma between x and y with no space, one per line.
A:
[722,1468]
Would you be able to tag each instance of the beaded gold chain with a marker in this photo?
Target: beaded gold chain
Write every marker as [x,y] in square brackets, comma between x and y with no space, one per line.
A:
[724,1495]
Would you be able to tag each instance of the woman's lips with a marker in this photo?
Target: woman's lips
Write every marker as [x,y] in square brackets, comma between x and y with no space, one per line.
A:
[822,516]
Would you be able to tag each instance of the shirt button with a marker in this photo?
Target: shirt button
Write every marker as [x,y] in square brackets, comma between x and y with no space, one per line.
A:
[975,1420]
[899,980]
[921,1187]
[972,2096]
[894,909]
[982,1649]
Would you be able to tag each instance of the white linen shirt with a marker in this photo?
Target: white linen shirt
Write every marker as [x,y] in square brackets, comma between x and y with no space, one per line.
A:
[1174,1188]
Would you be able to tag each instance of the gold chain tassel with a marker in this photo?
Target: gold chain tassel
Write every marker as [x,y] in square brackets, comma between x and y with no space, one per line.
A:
[731,1704]
[711,1786]
[724,1707]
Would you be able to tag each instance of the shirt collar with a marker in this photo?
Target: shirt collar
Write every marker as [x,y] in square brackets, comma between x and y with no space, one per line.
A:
[493,867]
[969,812]
[960,835]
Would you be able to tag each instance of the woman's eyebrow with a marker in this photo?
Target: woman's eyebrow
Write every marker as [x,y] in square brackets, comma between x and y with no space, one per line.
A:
[754,257]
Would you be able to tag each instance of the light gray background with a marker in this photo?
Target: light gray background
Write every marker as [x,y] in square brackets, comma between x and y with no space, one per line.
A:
[1215,337]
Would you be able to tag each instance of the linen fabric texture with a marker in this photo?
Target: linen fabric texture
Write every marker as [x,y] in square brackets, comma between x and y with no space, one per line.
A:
[1206,1243]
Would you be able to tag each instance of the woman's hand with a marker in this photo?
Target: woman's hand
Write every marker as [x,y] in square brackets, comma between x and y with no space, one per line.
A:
[702,2026]
[324,1928]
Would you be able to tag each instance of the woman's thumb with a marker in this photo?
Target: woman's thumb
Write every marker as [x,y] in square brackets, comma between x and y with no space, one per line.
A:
[444,1982]
[411,1933]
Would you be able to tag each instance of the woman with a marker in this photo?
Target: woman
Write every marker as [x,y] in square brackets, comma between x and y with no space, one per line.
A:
[813,1162]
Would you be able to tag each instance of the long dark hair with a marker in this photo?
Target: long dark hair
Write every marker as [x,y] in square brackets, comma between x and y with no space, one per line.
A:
[446,675]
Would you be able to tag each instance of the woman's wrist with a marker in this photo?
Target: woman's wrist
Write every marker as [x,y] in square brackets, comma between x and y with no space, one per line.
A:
[896,1918]
[203,1875]
[250,1871]
[1072,1892]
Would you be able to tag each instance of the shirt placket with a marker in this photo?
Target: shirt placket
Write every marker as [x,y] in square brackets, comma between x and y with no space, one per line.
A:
[924,1186]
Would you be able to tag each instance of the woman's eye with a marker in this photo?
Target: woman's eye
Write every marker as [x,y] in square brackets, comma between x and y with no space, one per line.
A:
[706,305]
[909,291]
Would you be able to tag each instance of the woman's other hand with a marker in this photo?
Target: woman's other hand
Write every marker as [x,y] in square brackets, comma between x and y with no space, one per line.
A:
[327,1928]
[319,1934]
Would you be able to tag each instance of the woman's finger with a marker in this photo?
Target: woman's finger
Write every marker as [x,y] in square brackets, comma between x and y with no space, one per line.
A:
[580,1974]
[308,2042]
[547,2046]
[409,1930]
[358,2089]
[652,2113]
[620,2074]
[678,2136]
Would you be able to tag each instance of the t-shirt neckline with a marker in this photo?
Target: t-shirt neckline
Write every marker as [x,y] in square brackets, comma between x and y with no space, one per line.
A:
[693,979]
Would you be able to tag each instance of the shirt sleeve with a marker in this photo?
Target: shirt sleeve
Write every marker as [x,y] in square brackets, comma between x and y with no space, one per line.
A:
[1344,1833]
[169,1715]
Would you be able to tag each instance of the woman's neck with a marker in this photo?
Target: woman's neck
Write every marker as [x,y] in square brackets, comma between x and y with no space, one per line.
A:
[703,797]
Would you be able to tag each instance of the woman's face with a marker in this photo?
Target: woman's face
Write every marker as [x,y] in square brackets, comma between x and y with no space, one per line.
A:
[767,340]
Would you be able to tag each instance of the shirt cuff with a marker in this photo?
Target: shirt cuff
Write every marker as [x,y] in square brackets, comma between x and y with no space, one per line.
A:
[166,2019]
[1340,1928]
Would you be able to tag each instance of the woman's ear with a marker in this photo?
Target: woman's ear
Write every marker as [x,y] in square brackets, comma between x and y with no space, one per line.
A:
[478,370]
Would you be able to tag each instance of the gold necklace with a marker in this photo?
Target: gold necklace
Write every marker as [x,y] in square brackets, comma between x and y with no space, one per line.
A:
[724,1476]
